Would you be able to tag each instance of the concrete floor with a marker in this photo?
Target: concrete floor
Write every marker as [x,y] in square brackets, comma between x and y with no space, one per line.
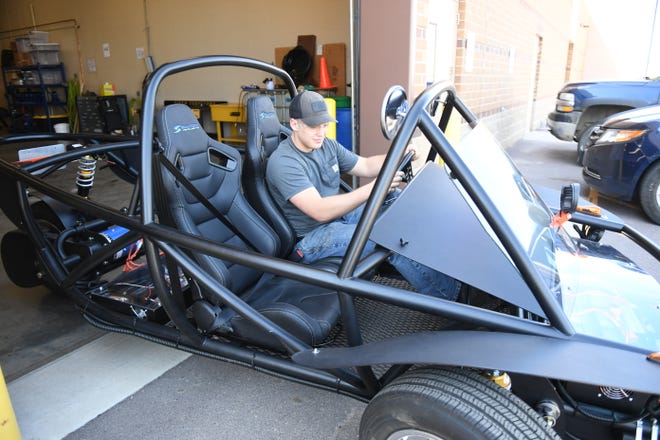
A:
[36,325]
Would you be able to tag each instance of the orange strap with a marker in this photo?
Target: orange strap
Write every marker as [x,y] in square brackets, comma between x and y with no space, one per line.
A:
[559,219]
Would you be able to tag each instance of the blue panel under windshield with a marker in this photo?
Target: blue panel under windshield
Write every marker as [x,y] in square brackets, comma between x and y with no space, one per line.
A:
[607,296]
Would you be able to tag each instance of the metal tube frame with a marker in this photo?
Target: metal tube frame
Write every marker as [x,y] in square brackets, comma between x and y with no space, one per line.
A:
[175,243]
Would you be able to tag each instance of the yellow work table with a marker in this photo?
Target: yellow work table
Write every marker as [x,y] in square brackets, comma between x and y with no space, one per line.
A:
[229,116]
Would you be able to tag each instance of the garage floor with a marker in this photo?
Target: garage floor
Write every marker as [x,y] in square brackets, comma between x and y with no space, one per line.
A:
[36,325]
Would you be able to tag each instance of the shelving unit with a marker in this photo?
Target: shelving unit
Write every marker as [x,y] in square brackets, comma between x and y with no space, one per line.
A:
[36,96]
[279,97]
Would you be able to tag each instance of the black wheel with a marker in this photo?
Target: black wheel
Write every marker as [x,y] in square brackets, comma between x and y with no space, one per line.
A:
[443,404]
[649,192]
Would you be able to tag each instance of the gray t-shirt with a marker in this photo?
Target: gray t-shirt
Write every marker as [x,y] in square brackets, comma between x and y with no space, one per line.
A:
[291,171]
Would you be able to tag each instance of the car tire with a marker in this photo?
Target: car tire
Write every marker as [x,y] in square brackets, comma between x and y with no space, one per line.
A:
[442,404]
[649,192]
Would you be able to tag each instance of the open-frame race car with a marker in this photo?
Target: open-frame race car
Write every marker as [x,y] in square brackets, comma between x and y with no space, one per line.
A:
[554,334]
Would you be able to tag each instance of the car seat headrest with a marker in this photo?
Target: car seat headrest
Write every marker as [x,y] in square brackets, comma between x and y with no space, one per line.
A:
[268,124]
[177,125]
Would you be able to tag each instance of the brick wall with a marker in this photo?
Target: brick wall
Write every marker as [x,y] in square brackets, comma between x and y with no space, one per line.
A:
[420,46]
[511,58]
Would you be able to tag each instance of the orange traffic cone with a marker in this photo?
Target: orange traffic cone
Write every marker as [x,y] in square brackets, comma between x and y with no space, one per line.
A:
[324,77]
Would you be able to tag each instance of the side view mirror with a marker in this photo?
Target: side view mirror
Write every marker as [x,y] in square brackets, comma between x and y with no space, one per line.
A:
[393,111]
[569,197]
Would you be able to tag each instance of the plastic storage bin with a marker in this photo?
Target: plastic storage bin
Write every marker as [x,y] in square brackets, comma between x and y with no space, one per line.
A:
[48,57]
[344,121]
[23,44]
[44,46]
[345,127]
[38,37]
[52,77]
[45,53]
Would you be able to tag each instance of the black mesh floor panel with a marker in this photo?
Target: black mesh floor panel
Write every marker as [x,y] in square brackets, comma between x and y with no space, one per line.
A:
[381,321]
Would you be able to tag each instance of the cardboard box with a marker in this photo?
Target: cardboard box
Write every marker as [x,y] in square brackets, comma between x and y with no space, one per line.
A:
[308,42]
[335,57]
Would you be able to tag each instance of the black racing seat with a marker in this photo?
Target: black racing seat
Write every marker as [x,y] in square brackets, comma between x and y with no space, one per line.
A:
[264,134]
[307,312]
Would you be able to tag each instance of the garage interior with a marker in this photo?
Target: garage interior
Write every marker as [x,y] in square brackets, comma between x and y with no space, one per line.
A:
[66,55]
[118,44]
[103,54]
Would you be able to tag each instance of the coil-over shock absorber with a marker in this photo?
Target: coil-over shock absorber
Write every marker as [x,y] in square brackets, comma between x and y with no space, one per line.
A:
[85,176]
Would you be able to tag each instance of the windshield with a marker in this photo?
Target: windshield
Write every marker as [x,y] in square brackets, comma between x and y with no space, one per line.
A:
[528,217]
[602,292]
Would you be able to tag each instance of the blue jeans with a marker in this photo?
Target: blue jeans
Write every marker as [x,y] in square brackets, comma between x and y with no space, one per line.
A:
[332,239]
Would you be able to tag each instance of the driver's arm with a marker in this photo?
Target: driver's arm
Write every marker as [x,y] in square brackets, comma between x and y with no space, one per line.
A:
[370,166]
[324,209]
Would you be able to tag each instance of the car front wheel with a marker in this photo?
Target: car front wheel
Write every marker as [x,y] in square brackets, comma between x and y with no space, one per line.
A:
[447,404]
[649,192]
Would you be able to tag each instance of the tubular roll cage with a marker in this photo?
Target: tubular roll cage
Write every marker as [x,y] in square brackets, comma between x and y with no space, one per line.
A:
[140,220]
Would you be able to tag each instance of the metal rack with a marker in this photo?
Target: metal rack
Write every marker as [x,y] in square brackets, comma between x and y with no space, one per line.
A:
[36,96]
[280,97]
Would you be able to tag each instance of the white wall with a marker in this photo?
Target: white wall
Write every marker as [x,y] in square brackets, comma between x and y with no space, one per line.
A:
[619,40]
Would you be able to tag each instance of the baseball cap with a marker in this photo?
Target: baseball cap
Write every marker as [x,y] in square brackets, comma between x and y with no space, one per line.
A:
[310,107]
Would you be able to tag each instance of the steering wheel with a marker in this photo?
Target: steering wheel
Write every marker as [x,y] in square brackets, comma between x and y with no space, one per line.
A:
[406,167]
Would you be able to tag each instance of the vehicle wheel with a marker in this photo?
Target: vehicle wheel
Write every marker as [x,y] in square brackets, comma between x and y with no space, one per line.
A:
[444,404]
[649,192]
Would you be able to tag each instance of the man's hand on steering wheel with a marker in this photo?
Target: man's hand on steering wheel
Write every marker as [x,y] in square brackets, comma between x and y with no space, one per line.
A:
[405,167]
[396,181]
[414,151]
